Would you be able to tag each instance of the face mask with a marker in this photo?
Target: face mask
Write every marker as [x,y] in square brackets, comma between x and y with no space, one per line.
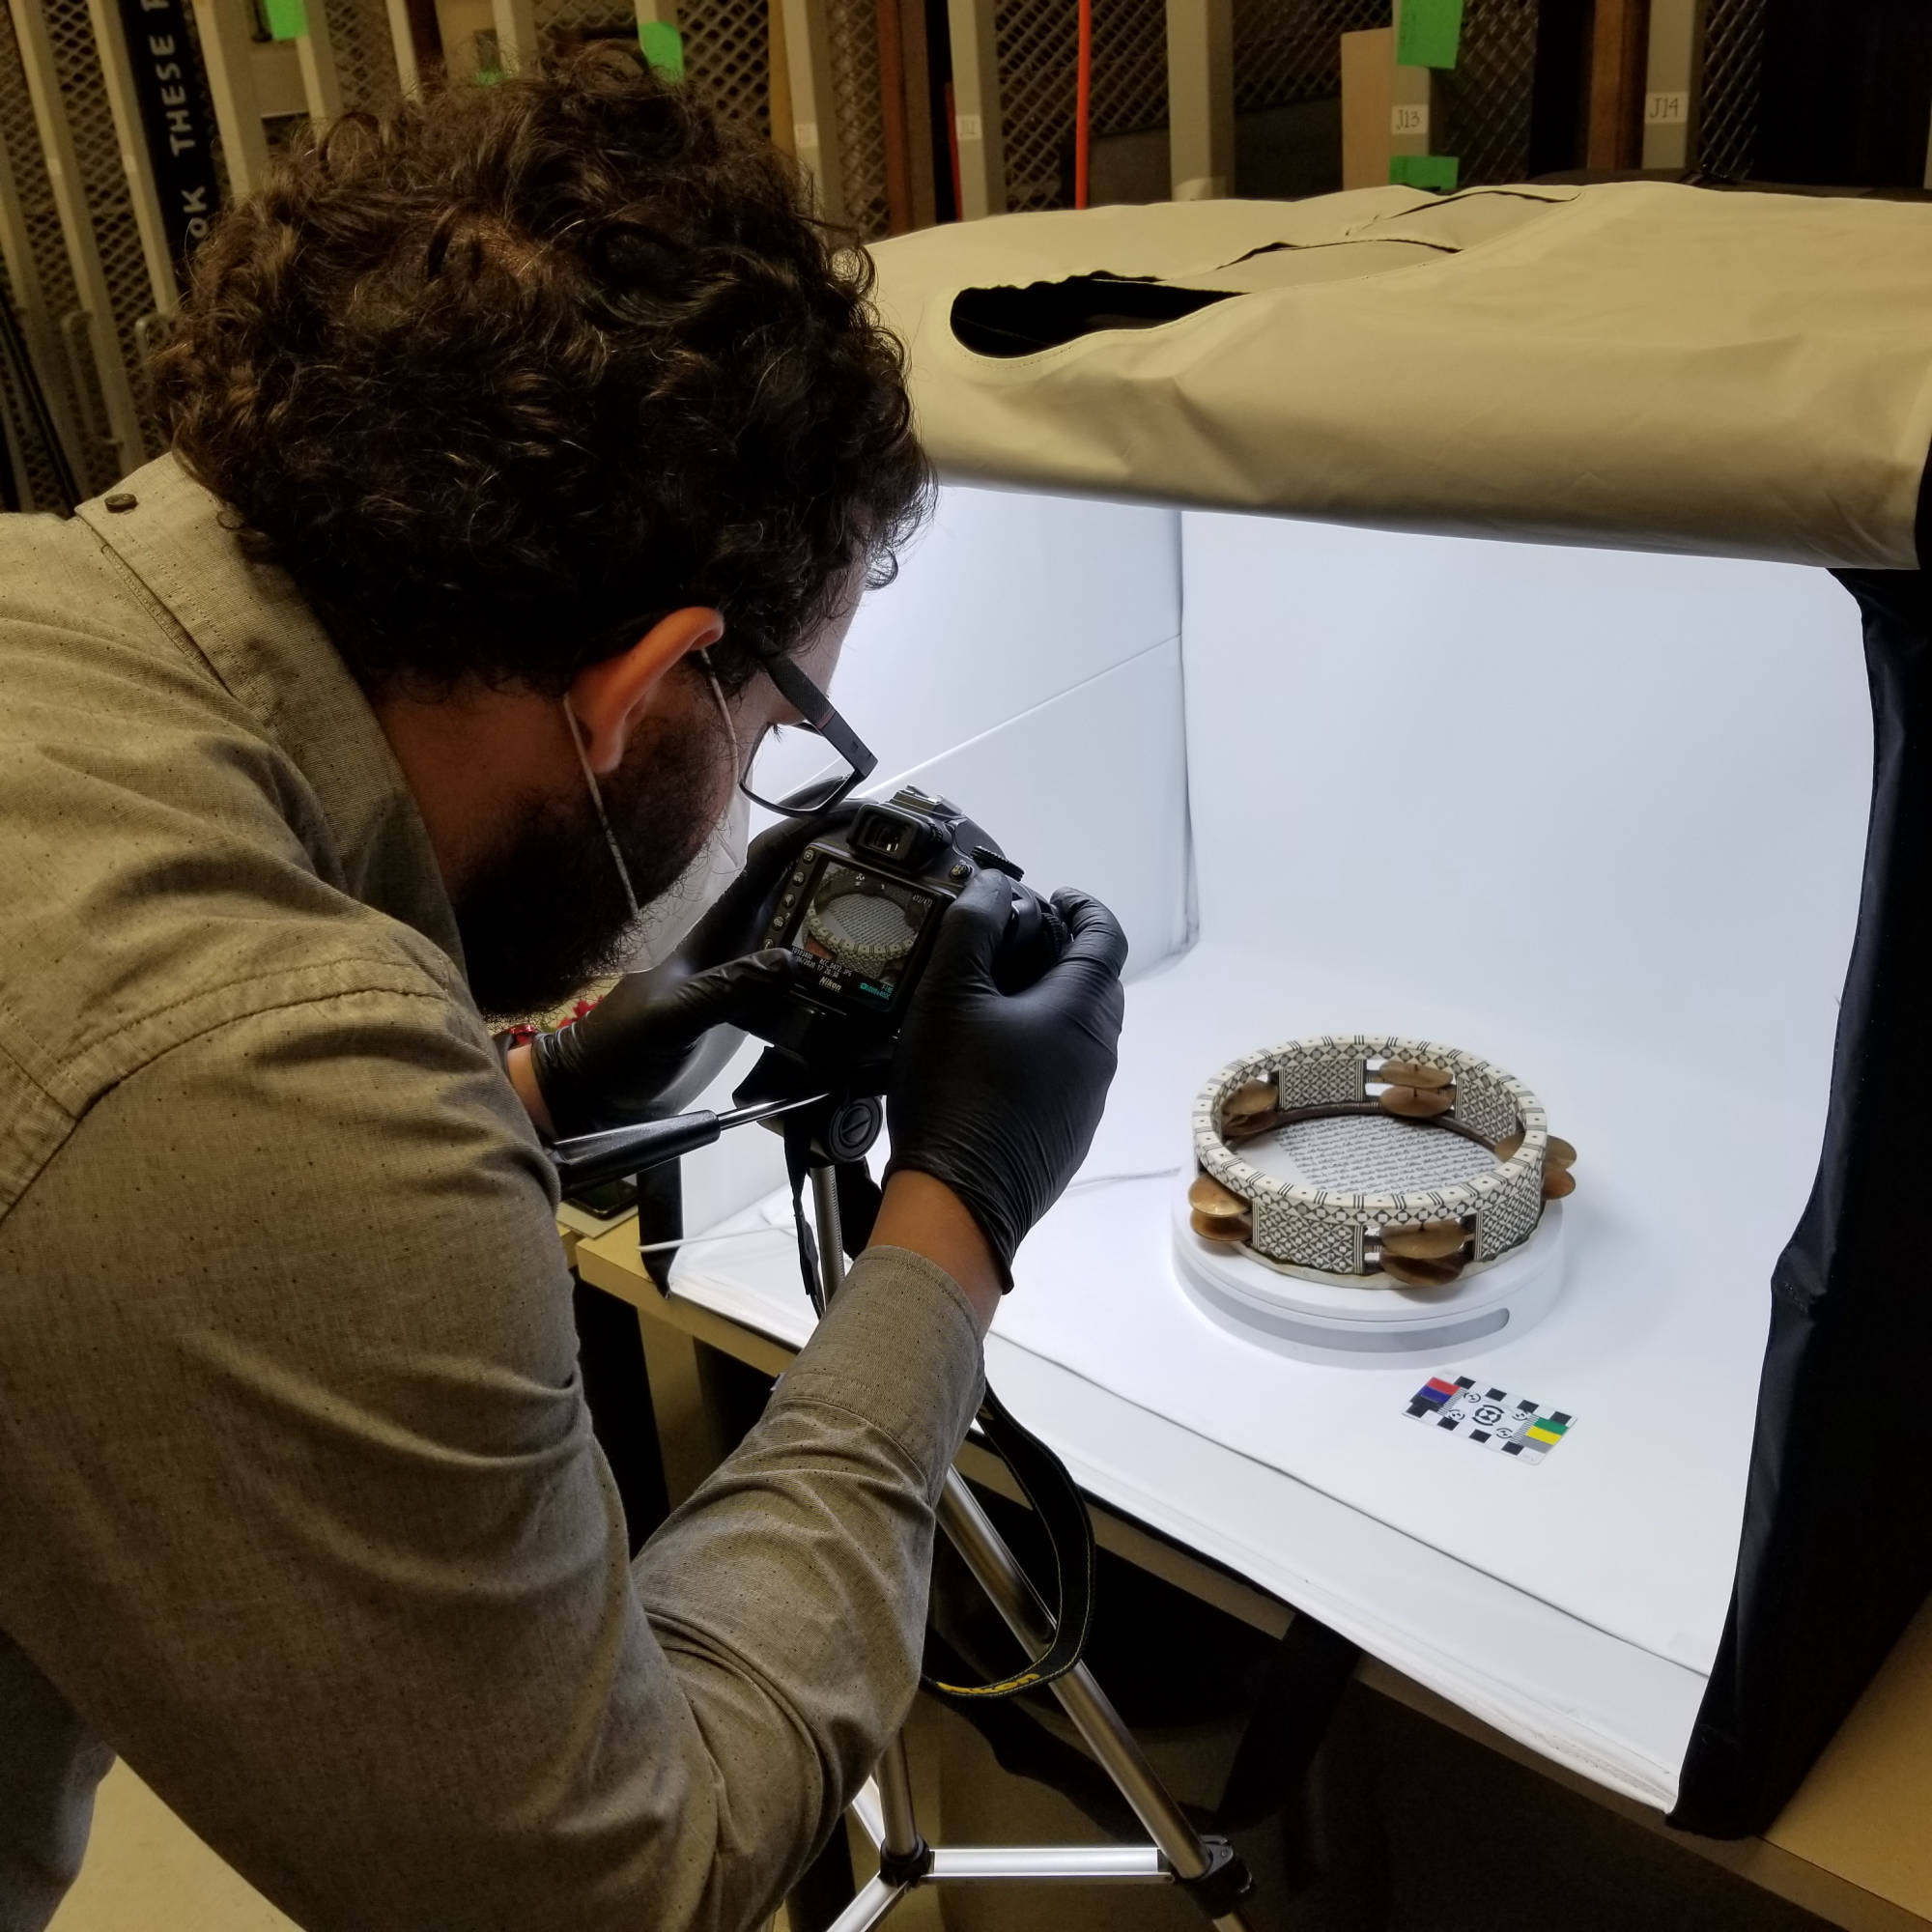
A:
[656,929]
[666,920]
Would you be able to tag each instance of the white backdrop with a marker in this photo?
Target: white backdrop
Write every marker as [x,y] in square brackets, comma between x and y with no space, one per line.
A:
[1598,792]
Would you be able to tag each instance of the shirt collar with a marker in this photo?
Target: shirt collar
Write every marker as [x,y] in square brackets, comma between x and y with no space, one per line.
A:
[266,645]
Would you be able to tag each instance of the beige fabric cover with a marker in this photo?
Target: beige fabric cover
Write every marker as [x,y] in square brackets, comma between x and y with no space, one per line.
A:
[1636,364]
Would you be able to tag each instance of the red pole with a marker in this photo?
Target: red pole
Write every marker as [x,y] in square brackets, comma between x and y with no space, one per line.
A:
[1083,105]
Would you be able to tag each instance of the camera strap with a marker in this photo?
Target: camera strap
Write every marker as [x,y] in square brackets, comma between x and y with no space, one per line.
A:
[798,1146]
[1042,1477]
[1061,1511]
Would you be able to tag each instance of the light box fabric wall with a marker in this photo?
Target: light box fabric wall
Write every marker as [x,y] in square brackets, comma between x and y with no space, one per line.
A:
[1637,364]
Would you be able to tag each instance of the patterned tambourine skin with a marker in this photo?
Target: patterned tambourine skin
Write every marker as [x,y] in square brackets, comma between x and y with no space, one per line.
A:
[1423,1238]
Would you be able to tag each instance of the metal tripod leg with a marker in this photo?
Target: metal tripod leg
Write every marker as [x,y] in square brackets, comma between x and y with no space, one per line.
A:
[894,1828]
[884,1812]
[971,1532]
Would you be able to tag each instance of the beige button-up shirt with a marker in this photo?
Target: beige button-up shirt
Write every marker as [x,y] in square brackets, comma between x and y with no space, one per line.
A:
[300,1509]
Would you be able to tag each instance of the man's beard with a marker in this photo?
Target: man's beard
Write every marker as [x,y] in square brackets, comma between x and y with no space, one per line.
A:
[545,912]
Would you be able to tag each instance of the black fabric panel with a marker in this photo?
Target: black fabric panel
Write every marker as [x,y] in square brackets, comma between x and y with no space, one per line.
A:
[1008,322]
[1837,1550]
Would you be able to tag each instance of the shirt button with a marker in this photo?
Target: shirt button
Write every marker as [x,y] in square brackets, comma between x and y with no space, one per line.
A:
[122,499]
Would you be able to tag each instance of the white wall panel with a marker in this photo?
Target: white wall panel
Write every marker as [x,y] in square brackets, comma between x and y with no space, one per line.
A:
[1609,793]
[1004,601]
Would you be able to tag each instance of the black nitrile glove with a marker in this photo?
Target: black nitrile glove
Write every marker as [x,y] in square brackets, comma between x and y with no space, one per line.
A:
[737,924]
[657,1038]
[630,1057]
[997,1095]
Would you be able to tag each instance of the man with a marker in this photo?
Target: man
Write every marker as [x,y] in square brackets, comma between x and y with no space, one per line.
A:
[518,446]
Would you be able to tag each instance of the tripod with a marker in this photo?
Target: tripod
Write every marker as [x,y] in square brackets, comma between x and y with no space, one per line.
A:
[884,1808]
[1207,1869]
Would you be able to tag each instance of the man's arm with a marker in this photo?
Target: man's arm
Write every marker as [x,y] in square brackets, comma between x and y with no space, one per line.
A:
[302,1512]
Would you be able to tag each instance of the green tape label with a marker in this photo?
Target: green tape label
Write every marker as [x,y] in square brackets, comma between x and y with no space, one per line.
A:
[288,19]
[662,45]
[1426,33]
[1436,171]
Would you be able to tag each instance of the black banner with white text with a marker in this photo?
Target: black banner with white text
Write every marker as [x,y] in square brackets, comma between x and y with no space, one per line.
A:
[166,67]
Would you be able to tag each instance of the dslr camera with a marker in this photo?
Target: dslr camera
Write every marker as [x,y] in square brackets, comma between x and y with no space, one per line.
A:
[861,911]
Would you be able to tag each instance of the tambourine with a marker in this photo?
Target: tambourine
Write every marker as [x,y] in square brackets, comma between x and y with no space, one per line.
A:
[1424,1237]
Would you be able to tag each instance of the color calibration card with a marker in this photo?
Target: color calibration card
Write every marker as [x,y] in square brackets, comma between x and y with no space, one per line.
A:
[1512,1424]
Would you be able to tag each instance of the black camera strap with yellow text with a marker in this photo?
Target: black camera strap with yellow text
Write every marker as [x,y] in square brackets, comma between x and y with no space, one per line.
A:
[1042,1477]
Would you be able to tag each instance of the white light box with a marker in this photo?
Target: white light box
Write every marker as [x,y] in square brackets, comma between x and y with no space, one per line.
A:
[1597,816]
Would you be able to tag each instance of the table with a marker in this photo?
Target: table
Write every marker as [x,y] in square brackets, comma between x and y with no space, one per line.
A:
[1853,1845]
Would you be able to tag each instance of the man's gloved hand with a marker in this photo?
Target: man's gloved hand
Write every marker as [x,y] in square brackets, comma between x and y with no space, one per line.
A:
[997,1095]
[632,1055]
[653,1041]
[737,924]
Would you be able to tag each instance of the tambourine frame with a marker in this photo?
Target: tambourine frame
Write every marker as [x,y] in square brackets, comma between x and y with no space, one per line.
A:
[1337,1232]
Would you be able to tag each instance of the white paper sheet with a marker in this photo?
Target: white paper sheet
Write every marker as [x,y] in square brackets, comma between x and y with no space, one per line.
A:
[1602,1707]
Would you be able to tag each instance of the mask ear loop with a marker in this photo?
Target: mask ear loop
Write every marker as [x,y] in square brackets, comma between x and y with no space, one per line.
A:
[603,816]
[724,711]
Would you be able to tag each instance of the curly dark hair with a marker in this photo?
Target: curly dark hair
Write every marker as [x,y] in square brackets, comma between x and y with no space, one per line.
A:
[519,369]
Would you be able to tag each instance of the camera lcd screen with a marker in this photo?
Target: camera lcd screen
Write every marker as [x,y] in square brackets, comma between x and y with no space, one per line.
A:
[860,931]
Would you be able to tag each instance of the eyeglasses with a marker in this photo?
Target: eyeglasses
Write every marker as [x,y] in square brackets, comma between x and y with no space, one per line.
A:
[817,716]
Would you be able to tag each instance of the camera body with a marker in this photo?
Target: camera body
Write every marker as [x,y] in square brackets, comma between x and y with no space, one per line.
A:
[861,910]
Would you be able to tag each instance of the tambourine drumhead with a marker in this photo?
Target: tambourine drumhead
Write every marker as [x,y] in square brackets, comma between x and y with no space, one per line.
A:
[1368,1154]
[861,928]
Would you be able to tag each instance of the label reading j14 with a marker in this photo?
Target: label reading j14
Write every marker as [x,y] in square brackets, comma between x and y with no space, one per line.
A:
[1491,1418]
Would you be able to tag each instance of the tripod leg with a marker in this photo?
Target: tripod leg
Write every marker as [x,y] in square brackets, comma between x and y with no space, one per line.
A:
[901,1840]
[972,1533]
[1215,1878]
[904,1857]
[870,1906]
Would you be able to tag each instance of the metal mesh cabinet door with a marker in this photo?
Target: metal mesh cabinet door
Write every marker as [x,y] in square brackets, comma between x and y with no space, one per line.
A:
[1039,53]
[1484,101]
[39,283]
[852,42]
[728,54]
[1287,51]
[726,44]
[117,305]
[364,54]
[30,462]
[1732,68]
[94,286]
[559,21]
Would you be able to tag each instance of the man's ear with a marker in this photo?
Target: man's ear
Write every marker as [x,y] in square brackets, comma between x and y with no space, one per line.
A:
[613,696]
